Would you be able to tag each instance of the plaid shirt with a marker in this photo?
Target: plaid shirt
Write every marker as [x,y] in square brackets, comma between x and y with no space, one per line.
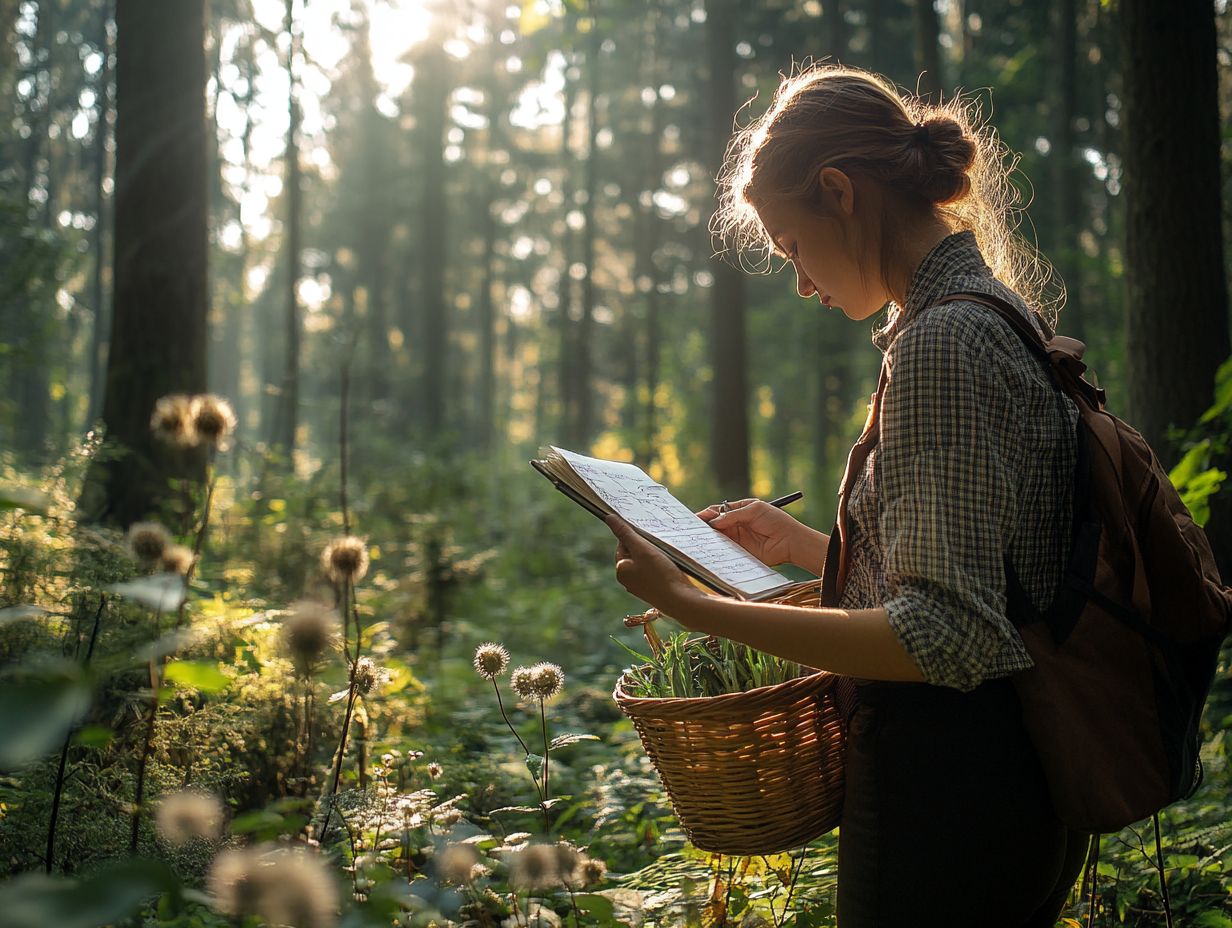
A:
[974,458]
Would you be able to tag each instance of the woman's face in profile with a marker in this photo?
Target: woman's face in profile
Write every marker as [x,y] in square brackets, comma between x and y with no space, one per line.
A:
[816,247]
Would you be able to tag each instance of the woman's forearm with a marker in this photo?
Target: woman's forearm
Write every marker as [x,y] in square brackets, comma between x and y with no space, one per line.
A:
[810,552]
[855,642]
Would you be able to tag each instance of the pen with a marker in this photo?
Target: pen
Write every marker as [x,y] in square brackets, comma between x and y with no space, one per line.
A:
[781,501]
[789,498]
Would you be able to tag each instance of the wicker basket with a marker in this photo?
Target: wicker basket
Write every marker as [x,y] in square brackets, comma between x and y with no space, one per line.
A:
[748,773]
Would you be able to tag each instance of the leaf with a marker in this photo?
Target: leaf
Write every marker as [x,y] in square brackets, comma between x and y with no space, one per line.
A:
[597,907]
[534,763]
[38,710]
[27,498]
[198,675]
[159,592]
[561,740]
[17,613]
[111,895]
[1211,919]
[339,696]
[1223,392]
[93,736]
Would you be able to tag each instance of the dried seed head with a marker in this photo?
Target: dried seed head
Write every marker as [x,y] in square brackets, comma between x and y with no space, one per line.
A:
[188,814]
[523,682]
[174,420]
[177,559]
[491,659]
[283,885]
[345,558]
[456,862]
[546,679]
[534,867]
[567,860]
[213,419]
[148,540]
[308,630]
[435,770]
[592,871]
[369,677]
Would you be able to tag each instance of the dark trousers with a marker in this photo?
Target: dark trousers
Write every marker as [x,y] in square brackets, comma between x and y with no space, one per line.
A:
[946,814]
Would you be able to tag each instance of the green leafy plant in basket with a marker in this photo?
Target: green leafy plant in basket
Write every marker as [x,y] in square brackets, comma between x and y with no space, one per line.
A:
[680,666]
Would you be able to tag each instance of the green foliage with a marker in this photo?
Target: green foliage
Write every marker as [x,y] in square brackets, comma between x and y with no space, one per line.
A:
[696,667]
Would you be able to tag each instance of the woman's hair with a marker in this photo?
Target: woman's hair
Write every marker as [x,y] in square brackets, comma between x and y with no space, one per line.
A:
[855,120]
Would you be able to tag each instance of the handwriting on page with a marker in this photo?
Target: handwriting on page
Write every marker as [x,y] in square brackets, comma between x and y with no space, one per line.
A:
[648,505]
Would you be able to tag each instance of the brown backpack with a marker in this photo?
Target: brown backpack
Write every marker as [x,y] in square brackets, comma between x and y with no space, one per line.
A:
[1126,652]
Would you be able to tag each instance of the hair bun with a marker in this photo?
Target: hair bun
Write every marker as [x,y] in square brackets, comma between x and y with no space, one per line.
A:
[946,155]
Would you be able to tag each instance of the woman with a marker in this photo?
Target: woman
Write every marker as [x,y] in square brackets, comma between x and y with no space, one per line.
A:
[877,199]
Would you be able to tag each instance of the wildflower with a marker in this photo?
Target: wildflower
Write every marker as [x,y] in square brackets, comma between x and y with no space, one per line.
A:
[148,540]
[478,872]
[546,679]
[456,862]
[282,885]
[369,677]
[188,814]
[174,420]
[491,659]
[177,559]
[213,419]
[592,871]
[435,770]
[345,558]
[308,629]
[517,837]
[534,867]
[523,682]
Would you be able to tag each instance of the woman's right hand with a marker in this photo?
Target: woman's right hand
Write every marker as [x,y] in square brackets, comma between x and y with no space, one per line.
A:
[768,533]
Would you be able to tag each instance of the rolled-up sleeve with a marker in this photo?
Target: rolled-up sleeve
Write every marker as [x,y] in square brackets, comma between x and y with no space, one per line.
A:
[947,476]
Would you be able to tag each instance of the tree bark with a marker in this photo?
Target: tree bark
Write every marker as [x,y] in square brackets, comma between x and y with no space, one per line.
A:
[158,331]
[728,347]
[1177,298]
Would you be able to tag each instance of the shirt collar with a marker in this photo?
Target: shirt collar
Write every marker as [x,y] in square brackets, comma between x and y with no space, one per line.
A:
[943,270]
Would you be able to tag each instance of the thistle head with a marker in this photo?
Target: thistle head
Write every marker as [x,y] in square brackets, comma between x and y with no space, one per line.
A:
[491,659]
[187,814]
[546,679]
[457,861]
[148,540]
[213,420]
[282,885]
[177,559]
[534,867]
[369,677]
[523,682]
[345,559]
[591,871]
[174,420]
[308,630]
[435,770]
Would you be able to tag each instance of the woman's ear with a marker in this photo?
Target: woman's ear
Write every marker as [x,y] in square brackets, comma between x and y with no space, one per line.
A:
[837,187]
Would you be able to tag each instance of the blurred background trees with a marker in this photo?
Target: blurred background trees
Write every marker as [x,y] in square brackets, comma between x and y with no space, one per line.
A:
[495,214]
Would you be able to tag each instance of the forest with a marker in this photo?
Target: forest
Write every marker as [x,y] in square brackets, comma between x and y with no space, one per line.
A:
[292,292]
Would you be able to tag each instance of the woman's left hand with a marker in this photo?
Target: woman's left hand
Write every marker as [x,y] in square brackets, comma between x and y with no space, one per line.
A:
[647,572]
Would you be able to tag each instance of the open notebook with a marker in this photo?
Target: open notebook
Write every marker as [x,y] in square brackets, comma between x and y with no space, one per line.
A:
[704,553]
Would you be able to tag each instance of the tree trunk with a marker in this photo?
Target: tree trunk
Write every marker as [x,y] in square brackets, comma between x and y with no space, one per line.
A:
[928,51]
[1067,193]
[287,419]
[584,428]
[1177,319]
[730,398]
[433,88]
[158,331]
[102,320]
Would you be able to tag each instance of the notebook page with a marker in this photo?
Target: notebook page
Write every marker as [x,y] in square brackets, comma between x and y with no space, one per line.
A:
[638,499]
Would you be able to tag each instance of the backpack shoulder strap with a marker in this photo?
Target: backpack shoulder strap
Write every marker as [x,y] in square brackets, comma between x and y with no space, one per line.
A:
[1062,353]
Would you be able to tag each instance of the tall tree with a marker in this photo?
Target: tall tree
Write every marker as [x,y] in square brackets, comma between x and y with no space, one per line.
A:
[729,410]
[102,133]
[158,323]
[1177,306]
[287,418]
[1067,200]
[928,50]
